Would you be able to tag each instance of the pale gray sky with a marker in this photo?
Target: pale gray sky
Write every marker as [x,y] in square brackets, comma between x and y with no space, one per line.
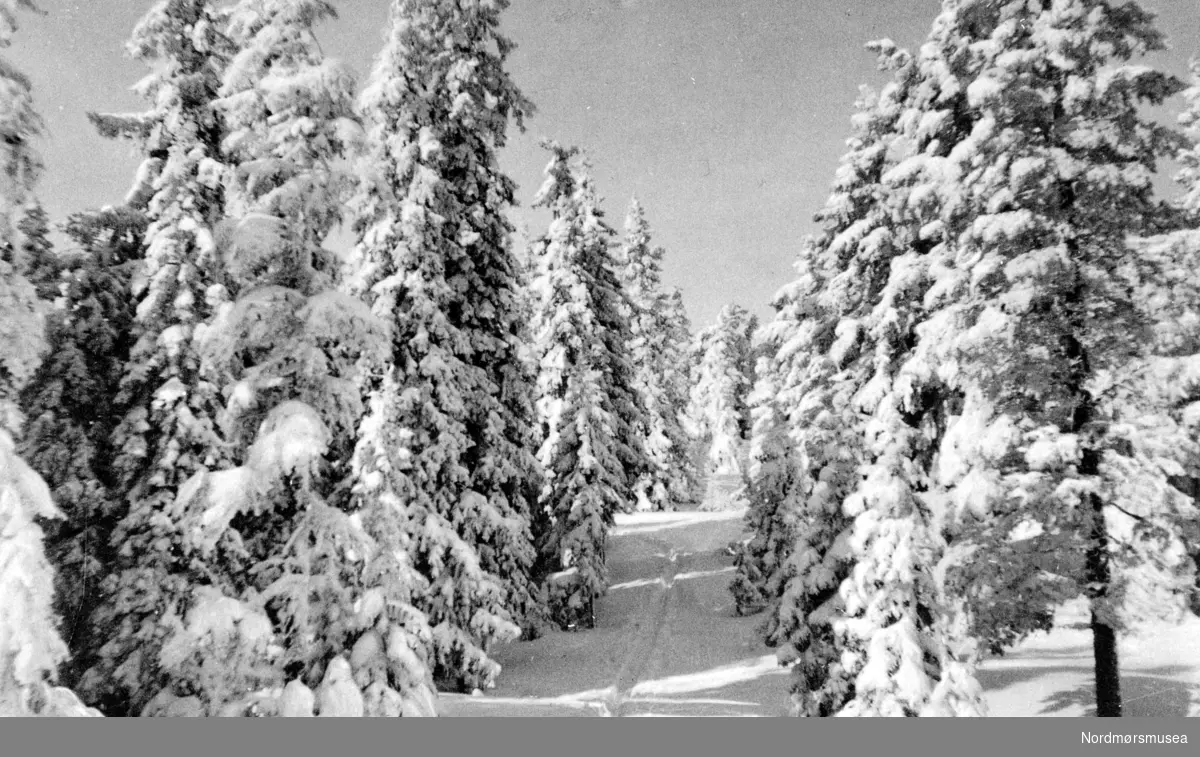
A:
[726,117]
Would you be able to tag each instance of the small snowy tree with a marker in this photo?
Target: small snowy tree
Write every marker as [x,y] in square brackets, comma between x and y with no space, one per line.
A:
[445,459]
[657,351]
[169,431]
[587,397]
[677,384]
[718,411]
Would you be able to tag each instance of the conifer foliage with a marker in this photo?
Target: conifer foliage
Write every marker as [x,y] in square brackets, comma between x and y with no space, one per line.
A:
[1055,292]
[283,346]
[169,431]
[444,464]
[987,367]
[659,353]
[30,645]
[20,332]
[587,401]
[722,378]
[71,411]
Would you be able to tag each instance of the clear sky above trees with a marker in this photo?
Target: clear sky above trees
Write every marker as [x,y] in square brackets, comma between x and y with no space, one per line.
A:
[726,118]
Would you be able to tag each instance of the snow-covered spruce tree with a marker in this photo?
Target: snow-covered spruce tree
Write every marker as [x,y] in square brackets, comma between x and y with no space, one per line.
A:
[1178,328]
[169,430]
[36,256]
[587,402]
[795,341]
[771,489]
[824,359]
[307,594]
[658,349]
[71,411]
[30,646]
[1172,375]
[20,328]
[446,448]
[718,412]
[1038,203]
[903,638]
[677,384]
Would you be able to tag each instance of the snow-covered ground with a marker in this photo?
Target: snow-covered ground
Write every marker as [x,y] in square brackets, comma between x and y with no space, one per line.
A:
[1051,674]
[667,642]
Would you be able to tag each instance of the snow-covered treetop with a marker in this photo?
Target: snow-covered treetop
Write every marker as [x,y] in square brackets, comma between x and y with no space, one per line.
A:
[478,93]
[289,112]
[1189,176]
[641,262]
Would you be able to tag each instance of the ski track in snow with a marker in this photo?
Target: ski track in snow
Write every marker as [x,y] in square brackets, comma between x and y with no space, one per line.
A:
[663,539]
[665,651]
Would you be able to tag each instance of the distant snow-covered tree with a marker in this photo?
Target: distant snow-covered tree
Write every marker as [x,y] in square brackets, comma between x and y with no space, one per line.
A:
[587,403]
[718,412]
[445,460]
[659,348]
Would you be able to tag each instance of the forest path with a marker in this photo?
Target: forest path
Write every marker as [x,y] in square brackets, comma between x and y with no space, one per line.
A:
[666,642]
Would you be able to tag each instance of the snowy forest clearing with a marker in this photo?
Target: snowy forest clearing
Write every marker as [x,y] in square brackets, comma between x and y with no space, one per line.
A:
[697,658]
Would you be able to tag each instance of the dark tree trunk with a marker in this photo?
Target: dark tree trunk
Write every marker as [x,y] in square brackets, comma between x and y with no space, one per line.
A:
[1099,576]
[1104,636]
[1108,677]
[1098,572]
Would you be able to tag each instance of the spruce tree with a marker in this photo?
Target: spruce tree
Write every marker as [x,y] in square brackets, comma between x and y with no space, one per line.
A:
[825,360]
[30,646]
[677,383]
[659,345]
[587,402]
[169,431]
[284,345]
[446,446]
[71,411]
[718,412]
[20,329]
[858,609]
[1079,462]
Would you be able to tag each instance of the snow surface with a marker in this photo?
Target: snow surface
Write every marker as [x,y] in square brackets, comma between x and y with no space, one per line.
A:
[689,654]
